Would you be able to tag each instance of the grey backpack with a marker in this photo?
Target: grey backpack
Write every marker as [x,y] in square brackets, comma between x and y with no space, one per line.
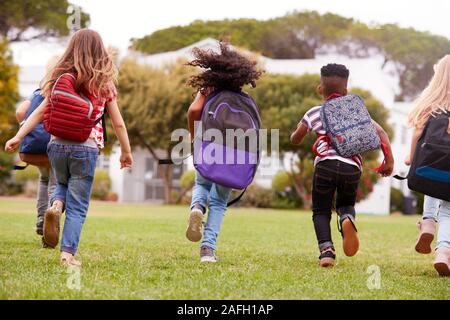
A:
[349,127]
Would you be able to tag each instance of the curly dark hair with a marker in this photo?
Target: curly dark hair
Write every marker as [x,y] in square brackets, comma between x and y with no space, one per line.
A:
[224,70]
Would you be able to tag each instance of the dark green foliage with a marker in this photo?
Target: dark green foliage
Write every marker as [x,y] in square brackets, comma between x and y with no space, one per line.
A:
[8,99]
[397,200]
[47,17]
[301,34]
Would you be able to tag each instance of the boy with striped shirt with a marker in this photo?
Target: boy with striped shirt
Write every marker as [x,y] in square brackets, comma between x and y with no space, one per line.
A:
[334,174]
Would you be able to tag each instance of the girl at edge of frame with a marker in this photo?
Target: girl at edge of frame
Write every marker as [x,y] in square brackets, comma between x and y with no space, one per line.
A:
[434,99]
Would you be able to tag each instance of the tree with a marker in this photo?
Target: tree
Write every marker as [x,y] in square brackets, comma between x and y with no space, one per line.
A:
[154,103]
[301,35]
[284,99]
[8,99]
[43,17]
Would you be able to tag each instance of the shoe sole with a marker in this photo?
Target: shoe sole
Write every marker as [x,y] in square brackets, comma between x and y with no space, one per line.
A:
[194,229]
[208,260]
[51,227]
[68,264]
[45,245]
[424,242]
[350,242]
[327,262]
[442,268]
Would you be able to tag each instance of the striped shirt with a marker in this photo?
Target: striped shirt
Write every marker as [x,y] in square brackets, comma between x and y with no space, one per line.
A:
[313,122]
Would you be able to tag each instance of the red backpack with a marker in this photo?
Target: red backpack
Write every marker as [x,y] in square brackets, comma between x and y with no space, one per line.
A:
[69,115]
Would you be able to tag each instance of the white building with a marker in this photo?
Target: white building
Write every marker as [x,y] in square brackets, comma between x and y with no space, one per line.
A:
[143,182]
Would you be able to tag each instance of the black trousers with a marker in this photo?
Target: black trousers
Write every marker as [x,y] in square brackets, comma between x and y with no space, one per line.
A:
[336,182]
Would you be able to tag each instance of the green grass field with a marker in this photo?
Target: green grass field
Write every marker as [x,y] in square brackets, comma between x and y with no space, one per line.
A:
[140,252]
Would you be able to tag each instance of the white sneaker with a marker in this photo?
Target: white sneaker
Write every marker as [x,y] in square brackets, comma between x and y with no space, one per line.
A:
[207,255]
[194,228]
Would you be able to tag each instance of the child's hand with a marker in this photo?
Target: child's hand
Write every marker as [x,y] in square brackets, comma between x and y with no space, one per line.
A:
[388,168]
[126,160]
[12,145]
[408,161]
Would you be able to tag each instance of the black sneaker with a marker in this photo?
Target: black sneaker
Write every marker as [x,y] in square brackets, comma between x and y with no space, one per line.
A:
[327,257]
[40,226]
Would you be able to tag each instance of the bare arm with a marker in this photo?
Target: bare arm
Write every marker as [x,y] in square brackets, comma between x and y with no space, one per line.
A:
[32,121]
[299,134]
[22,110]
[195,112]
[389,165]
[126,160]
[416,136]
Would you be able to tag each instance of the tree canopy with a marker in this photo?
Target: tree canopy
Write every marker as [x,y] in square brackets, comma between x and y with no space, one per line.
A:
[44,17]
[302,35]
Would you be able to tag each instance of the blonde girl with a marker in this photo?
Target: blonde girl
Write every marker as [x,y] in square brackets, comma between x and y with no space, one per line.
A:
[435,99]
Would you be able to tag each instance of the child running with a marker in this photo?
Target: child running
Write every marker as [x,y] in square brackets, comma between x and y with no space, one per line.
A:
[47,182]
[434,100]
[224,71]
[335,174]
[87,61]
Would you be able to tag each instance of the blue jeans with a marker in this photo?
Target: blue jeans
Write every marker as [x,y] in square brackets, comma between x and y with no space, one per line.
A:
[46,188]
[443,238]
[74,168]
[431,208]
[439,210]
[215,197]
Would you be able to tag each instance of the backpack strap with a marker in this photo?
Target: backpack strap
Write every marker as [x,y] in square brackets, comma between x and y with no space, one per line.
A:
[235,200]
[170,161]
[384,148]
[16,167]
[315,146]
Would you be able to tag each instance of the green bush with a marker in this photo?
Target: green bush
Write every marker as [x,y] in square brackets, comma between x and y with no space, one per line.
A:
[255,196]
[6,163]
[31,173]
[420,199]
[187,179]
[397,200]
[283,202]
[102,185]
[281,181]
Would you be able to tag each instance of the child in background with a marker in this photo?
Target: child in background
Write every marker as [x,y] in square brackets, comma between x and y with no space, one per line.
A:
[434,99]
[335,174]
[47,182]
[227,70]
[74,163]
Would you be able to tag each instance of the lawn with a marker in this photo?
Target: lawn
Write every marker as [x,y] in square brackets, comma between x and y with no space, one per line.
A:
[140,252]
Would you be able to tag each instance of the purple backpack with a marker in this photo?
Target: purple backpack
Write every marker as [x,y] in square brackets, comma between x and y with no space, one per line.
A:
[227,150]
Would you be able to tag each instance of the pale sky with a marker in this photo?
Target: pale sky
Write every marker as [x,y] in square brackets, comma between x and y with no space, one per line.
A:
[120,20]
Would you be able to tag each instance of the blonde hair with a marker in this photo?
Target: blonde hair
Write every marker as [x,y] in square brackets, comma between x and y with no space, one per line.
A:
[51,64]
[87,58]
[436,96]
